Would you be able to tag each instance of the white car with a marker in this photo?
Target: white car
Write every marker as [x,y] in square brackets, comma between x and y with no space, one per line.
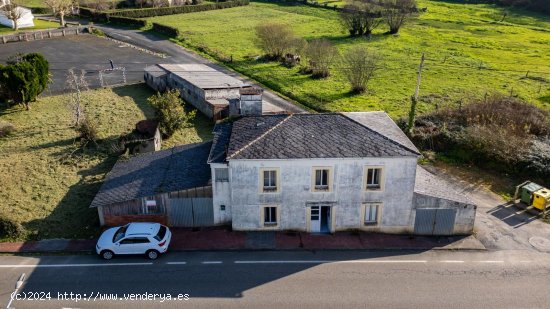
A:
[151,239]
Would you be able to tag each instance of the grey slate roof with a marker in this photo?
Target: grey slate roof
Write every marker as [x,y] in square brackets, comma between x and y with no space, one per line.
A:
[309,136]
[222,132]
[179,168]
[383,124]
[432,185]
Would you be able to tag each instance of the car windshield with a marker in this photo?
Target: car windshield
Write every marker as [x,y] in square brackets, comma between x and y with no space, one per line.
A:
[120,233]
[161,233]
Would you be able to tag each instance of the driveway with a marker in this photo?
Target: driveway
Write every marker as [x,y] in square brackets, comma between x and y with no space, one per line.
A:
[500,225]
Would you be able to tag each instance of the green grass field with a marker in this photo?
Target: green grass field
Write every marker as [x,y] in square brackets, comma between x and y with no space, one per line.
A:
[33,3]
[47,190]
[38,25]
[469,51]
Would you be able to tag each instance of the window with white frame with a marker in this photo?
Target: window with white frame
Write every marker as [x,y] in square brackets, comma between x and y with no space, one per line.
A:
[371,213]
[322,179]
[151,206]
[221,174]
[373,178]
[269,182]
[270,216]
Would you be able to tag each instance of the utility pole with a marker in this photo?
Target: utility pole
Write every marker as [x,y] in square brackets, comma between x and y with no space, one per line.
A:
[414,98]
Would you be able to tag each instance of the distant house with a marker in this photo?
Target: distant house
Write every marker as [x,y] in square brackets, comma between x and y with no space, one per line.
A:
[25,21]
[319,173]
[215,94]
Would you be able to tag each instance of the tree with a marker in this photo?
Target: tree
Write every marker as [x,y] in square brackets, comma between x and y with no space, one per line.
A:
[61,8]
[170,112]
[276,40]
[359,66]
[13,12]
[320,53]
[397,12]
[361,17]
[41,65]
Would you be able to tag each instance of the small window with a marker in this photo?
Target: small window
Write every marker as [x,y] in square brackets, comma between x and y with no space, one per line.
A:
[270,216]
[151,206]
[371,214]
[321,180]
[374,178]
[270,181]
[221,174]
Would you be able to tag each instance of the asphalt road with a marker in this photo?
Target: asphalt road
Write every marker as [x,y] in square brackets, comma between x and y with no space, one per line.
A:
[330,279]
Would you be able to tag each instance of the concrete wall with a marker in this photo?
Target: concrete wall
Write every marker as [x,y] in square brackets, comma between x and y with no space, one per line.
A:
[191,94]
[251,105]
[221,195]
[465,217]
[347,194]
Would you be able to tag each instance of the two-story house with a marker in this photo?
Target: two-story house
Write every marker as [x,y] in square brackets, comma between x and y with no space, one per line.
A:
[319,173]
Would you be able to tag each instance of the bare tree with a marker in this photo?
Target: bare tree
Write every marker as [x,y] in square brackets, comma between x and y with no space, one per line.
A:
[320,53]
[276,39]
[60,8]
[359,66]
[397,12]
[13,12]
[75,84]
[361,17]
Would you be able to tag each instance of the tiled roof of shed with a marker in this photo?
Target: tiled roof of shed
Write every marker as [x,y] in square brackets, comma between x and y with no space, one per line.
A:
[431,185]
[309,136]
[203,76]
[179,168]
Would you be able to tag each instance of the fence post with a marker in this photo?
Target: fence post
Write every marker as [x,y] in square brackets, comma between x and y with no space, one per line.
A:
[49,34]
[63,31]
[4,41]
[76,31]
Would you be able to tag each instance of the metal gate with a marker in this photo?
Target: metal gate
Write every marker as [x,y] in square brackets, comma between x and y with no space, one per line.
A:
[191,212]
[433,221]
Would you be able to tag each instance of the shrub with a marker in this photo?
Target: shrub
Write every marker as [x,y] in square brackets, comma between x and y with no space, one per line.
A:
[276,40]
[321,54]
[170,112]
[167,30]
[88,130]
[6,129]
[150,12]
[359,66]
[10,228]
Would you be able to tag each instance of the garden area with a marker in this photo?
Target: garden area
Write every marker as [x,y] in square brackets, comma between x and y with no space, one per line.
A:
[38,25]
[48,179]
[469,50]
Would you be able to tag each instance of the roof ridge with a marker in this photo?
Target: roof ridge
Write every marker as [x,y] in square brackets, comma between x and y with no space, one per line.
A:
[260,137]
[378,133]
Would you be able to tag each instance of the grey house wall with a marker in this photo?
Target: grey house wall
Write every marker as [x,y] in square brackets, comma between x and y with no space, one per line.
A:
[465,217]
[347,196]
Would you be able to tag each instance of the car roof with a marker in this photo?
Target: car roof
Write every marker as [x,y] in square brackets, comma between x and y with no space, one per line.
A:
[142,229]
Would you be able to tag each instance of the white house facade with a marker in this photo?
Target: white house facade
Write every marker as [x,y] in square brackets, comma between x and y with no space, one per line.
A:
[25,21]
[317,173]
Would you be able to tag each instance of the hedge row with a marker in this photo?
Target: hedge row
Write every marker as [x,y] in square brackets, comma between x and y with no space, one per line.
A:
[150,12]
[138,23]
[167,30]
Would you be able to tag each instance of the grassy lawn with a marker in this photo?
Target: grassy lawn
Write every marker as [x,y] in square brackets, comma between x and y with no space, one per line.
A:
[32,3]
[38,24]
[458,40]
[48,190]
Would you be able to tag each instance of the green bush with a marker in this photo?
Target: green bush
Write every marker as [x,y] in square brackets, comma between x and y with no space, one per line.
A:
[170,112]
[10,228]
[138,23]
[167,30]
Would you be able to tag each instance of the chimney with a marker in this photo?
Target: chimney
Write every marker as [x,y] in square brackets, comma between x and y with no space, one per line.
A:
[250,103]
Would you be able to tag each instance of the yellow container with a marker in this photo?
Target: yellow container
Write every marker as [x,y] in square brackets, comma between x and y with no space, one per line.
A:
[541,199]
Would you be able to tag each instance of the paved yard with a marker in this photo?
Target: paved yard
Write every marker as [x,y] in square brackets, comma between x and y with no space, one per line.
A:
[86,52]
[500,225]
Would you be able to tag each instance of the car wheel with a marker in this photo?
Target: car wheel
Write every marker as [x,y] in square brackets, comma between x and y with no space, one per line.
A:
[107,254]
[152,254]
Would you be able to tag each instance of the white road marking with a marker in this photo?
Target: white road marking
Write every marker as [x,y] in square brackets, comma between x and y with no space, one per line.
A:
[176,263]
[73,265]
[329,261]
[211,262]
[451,261]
